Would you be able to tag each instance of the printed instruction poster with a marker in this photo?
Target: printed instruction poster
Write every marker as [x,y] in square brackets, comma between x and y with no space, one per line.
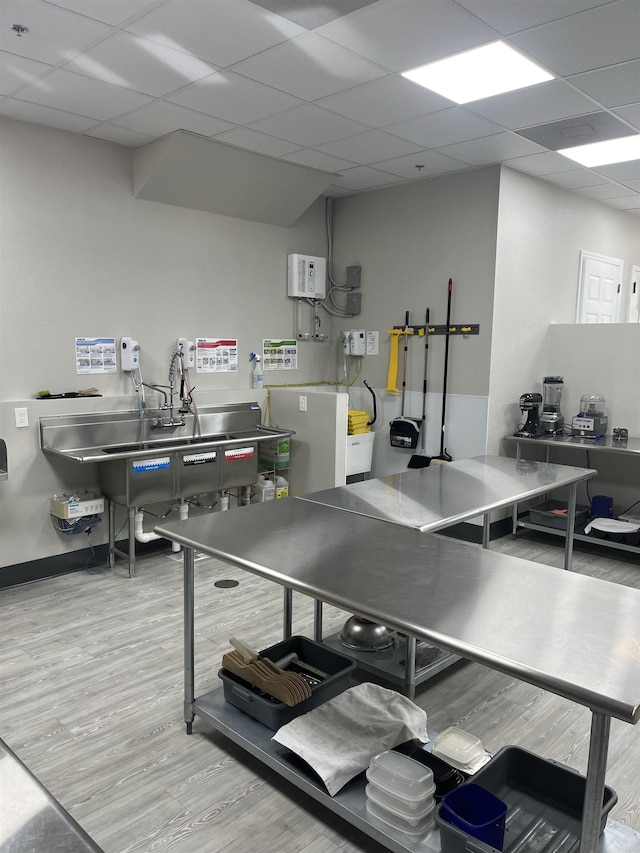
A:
[216,355]
[279,355]
[95,355]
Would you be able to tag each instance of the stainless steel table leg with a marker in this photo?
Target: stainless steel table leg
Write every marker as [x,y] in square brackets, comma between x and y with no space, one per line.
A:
[571,523]
[132,541]
[189,674]
[486,530]
[288,613]
[317,621]
[112,533]
[594,790]
[514,520]
[410,668]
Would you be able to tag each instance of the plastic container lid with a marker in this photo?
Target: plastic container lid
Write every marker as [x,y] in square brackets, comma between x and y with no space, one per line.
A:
[401,776]
[413,813]
[390,819]
[459,747]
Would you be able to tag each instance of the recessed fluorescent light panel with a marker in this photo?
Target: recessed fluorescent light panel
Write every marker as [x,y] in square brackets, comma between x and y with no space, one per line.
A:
[479,73]
[604,153]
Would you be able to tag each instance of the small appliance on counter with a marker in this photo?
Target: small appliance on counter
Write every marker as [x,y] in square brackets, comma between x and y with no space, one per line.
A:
[591,421]
[530,403]
[551,420]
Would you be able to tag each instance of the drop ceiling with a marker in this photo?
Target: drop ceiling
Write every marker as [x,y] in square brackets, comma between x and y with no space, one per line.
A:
[317,82]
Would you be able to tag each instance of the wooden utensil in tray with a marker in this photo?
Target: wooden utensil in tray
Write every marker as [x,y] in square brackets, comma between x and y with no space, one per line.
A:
[246,663]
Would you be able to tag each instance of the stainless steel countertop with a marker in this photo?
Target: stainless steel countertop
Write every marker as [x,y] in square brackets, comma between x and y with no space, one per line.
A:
[31,819]
[570,634]
[632,445]
[432,498]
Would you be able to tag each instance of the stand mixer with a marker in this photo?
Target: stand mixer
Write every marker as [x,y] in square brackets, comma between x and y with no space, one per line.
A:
[530,403]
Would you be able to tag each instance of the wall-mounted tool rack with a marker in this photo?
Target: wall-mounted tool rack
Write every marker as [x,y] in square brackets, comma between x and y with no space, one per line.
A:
[463,329]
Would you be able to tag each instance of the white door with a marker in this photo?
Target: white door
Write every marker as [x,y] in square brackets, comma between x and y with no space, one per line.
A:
[599,289]
[634,296]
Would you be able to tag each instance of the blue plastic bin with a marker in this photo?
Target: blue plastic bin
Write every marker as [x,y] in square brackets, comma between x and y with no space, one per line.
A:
[477,812]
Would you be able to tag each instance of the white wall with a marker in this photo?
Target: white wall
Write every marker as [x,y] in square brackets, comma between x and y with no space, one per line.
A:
[80,256]
[541,230]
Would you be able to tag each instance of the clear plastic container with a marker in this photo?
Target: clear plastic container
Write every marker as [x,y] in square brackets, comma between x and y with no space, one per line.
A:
[398,823]
[458,747]
[413,813]
[401,776]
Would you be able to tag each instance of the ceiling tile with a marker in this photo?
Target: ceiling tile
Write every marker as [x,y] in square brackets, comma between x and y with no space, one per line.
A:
[612,87]
[535,105]
[632,184]
[244,137]
[575,178]
[140,64]
[119,135]
[491,149]
[541,164]
[581,130]
[510,17]
[422,31]
[234,98]
[592,39]
[423,164]
[630,114]
[445,127]
[312,15]
[309,67]
[112,12]
[333,190]
[36,114]
[628,203]
[319,160]
[366,178]
[222,32]
[308,126]
[54,36]
[623,172]
[384,101]
[604,191]
[17,71]
[160,118]
[369,147]
[76,93]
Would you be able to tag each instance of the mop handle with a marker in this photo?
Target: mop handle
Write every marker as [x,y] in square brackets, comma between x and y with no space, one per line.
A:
[446,366]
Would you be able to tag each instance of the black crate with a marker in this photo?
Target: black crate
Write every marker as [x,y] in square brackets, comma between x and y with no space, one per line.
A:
[543,514]
[544,804]
[273,713]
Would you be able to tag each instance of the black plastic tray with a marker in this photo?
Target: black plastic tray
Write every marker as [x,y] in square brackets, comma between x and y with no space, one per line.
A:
[543,514]
[273,713]
[544,805]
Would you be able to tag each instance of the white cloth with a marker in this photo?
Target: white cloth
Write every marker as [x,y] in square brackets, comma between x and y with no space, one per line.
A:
[339,738]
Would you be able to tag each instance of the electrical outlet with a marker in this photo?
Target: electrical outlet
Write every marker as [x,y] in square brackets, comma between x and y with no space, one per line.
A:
[22,417]
[302,403]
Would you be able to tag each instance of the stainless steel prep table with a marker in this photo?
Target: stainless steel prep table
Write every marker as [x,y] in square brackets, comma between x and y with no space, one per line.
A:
[581,642]
[434,498]
[629,448]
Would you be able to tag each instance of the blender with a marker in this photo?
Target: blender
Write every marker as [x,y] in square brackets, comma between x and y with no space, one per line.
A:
[551,421]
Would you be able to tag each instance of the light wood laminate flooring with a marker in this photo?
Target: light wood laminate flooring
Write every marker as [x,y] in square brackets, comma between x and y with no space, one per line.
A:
[91,673]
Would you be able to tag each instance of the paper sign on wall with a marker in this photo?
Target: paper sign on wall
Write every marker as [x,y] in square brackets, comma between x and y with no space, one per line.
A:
[95,355]
[216,355]
[279,354]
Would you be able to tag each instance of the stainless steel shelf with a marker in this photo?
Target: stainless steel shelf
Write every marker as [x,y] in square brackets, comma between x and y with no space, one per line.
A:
[578,537]
[388,665]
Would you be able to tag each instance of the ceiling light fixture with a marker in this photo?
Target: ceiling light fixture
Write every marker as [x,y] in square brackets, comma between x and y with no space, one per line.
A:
[479,73]
[606,152]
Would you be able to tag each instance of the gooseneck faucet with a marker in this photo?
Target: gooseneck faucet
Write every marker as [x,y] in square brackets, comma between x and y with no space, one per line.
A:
[166,420]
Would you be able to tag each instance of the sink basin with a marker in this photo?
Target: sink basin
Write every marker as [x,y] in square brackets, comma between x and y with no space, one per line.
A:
[171,444]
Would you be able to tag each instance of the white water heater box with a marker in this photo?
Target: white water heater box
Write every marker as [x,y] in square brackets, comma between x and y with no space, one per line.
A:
[307,277]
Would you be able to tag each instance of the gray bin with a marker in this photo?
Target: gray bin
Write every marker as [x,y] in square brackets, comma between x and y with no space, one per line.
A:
[544,514]
[544,805]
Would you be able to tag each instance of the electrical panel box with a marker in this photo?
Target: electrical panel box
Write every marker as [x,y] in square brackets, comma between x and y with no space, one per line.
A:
[129,354]
[355,342]
[354,274]
[354,302]
[307,277]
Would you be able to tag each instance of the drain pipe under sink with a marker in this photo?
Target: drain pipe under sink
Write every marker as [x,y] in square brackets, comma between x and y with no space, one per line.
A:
[149,536]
